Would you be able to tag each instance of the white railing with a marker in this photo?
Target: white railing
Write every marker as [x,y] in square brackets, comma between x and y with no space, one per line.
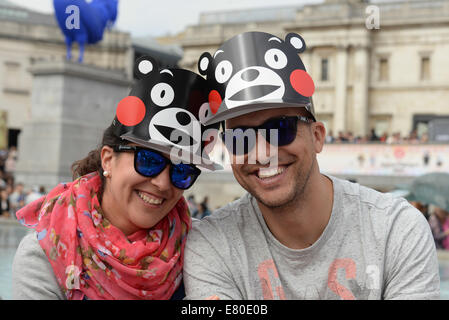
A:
[398,160]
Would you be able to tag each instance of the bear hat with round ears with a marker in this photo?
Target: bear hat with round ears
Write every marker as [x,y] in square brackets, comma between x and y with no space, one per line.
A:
[164,111]
[294,39]
[254,71]
[131,109]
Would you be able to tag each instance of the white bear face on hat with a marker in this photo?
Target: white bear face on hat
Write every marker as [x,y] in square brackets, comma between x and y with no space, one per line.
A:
[177,127]
[256,66]
[165,107]
[264,80]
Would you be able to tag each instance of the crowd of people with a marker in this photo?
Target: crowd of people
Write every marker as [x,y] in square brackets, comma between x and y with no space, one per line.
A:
[438,219]
[394,138]
[198,210]
[13,194]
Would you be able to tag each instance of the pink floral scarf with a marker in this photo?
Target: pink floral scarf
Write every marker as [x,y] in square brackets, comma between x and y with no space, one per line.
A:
[92,259]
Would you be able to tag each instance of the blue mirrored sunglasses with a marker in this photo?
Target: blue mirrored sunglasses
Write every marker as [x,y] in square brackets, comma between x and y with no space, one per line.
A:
[150,163]
[238,141]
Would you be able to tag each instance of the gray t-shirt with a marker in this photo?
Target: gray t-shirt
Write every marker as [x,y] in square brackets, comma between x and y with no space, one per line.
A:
[32,275]
[375,246]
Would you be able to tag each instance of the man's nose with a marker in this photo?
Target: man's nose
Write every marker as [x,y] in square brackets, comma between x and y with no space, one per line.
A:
[263,152]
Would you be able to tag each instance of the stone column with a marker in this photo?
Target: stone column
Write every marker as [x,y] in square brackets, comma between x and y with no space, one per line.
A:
[341,79]
[361,90]
[71,106]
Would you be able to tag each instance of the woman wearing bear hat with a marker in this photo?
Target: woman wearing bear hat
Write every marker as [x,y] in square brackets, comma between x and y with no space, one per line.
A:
[297,233]
[118,230]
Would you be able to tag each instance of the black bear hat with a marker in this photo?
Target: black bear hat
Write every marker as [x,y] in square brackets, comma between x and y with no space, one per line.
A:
[254,71]
[165,111]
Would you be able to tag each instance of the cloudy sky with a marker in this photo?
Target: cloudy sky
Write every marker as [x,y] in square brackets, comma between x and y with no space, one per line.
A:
[141,18]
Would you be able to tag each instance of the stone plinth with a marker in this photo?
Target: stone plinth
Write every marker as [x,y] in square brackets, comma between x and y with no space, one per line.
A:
[72,104]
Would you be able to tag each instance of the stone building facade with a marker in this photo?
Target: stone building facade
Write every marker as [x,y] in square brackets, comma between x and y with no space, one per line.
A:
[393,77]
[26,37]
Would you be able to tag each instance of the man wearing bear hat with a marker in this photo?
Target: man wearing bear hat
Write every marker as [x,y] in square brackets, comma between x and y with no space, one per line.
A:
[296,234]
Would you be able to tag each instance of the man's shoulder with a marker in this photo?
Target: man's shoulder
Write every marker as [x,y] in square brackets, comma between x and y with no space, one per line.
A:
[378,204]
[366,196]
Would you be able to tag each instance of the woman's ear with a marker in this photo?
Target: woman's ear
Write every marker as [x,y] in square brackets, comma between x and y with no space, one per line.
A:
[106,156]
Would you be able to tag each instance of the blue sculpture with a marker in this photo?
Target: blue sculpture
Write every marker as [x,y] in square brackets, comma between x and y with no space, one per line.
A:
[84,21]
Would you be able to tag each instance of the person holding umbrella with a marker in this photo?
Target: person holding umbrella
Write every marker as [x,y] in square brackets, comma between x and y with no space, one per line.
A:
[433,189]
[439,223]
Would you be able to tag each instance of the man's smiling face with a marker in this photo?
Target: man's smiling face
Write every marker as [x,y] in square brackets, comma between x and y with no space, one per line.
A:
[282,185]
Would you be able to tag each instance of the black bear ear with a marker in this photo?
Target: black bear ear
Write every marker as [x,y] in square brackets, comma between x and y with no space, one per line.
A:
[296,41]
[204,62]
[145,66]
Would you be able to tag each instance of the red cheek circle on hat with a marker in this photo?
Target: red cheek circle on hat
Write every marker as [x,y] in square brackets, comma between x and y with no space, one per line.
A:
[214,101]
[302,83]
[131,111]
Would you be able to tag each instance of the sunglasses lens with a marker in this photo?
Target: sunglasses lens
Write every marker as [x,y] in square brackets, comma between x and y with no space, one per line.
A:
[239,141]
[149,163]
[183,175]
[286,130]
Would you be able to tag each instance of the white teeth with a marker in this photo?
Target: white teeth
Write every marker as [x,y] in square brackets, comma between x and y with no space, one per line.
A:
[150,200]
[269,172]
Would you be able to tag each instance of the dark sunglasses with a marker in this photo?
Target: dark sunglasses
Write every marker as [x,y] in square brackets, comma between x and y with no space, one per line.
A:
[150,163]
[239,141]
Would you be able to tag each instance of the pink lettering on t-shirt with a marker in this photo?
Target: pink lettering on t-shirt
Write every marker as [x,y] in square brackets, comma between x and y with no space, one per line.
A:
[265,281]
[332,281]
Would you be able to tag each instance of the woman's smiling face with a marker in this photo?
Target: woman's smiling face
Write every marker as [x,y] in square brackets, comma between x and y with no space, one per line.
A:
[132,202]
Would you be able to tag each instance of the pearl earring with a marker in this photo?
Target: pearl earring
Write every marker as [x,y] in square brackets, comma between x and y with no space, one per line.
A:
[106,173]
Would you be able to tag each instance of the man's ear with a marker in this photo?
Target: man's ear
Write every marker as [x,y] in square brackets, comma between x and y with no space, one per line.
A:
[106,155]
[319,135]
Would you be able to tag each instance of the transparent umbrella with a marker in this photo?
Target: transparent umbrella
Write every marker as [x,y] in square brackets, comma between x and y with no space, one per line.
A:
[432,188]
